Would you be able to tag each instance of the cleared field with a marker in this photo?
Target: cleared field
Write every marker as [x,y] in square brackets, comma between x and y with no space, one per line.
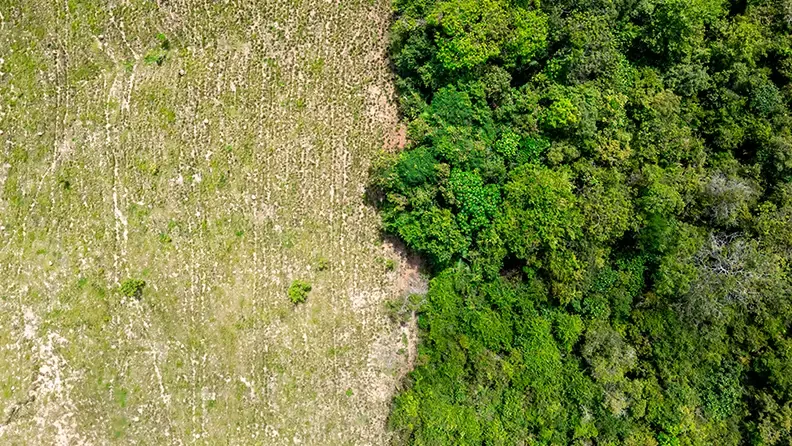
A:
[216,150]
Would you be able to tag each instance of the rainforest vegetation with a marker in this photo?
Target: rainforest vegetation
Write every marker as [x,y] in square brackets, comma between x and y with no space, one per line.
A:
[602,190]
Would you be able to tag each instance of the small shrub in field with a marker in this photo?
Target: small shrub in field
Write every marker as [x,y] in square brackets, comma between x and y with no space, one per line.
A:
[132,288]
[159,54]
[323,263]
[298,291]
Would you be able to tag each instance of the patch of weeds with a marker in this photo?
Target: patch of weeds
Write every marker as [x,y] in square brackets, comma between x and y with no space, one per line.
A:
[132,288]
[119,426]
[349,392]
[129,65]
[298,291]
[338,351]
[388,264]
[138,212]
[323,264]
[121,395]
[64,183]
[174,228]
[164,237]
[160,53]
[168,115]
[147,167]
[155,56]
[317,66]
[288,239]
[164,42]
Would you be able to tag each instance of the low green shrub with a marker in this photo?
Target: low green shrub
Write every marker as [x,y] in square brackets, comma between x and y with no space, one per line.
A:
[298,291]
[132,288]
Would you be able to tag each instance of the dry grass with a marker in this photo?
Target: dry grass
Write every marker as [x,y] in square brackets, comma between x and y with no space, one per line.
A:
[218,177]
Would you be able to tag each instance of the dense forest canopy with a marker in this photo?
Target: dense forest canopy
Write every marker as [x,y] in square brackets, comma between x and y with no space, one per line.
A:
[603,191]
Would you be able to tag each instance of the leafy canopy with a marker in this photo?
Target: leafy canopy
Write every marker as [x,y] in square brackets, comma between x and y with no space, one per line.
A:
[603,191]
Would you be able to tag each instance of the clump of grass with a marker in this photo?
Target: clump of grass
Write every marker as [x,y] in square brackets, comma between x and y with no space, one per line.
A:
[389,264]
[132,288]
[323,263]
[298,291]
[317,66]
[64,183]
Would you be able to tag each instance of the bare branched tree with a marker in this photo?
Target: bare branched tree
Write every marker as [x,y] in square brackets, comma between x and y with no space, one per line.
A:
[733,274]
[729,199]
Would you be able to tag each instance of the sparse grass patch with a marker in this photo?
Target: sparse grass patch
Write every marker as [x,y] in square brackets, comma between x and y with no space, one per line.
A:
[317,66]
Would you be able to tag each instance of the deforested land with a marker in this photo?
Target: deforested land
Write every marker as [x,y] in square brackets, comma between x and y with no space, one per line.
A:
[168,170]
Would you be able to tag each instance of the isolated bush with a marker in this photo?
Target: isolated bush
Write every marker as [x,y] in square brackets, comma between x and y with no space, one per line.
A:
[132,288]
[298,291]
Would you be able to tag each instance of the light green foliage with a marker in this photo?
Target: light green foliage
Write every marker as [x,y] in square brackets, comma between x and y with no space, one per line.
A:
[605,203]
[609,356]
[471,32]
[160,53]
[298,291]
[568,328]
[434,232]
[560,113]
[132,288]
[477,203]
[539,210]
[507,145]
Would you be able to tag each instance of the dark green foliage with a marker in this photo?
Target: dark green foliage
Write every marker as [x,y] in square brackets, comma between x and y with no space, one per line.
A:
[604,192]
[298,291]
